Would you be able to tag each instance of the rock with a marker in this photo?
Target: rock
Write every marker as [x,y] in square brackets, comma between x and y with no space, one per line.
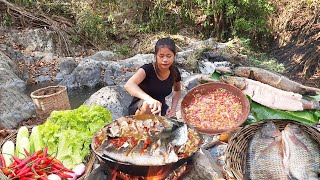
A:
[14,108]
[10,80]
[103,56]
[204,167]
[113,98]
[67,65]
[87,73]
[192,81]
[7,63]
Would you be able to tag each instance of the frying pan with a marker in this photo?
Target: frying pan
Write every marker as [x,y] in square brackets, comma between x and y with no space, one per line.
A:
[208,88]
[138,170]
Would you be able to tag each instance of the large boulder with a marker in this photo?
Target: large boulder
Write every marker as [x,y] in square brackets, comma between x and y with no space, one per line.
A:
[14,108]
[10,80]
[87,73]
[113,98]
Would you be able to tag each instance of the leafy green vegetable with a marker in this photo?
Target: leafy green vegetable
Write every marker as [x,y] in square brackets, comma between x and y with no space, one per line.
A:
[68,133]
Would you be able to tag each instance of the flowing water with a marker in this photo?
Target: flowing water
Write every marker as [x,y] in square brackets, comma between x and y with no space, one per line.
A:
[76,96]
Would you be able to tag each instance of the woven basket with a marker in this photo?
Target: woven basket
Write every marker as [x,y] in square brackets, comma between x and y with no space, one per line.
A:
[89,161]
[238,144]
[49,99]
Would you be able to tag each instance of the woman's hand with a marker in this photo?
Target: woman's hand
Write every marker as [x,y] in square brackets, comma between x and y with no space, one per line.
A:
[171,113]
[154,105]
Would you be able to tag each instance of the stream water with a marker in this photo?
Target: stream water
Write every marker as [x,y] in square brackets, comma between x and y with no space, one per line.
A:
[76,96]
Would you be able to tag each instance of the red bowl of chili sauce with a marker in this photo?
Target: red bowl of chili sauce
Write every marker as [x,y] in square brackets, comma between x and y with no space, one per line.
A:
[214,108]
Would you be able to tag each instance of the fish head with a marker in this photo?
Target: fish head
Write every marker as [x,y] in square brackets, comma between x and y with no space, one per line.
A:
[234,81]
[292,129]
[270,130]
[293,133]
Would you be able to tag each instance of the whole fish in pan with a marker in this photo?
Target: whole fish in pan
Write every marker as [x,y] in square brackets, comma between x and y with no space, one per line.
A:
[148,142]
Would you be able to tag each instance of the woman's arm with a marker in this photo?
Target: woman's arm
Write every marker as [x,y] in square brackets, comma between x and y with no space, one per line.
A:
[132,86]
[175,98]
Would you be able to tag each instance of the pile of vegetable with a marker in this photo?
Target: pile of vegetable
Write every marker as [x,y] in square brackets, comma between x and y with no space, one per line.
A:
[26,159]
[68,134]
[55,147]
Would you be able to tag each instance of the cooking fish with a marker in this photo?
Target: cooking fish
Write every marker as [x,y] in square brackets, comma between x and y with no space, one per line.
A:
[272,79]
[264,156]
[140,156]
[270,96]
[301,154]
[147,142]
[179,136]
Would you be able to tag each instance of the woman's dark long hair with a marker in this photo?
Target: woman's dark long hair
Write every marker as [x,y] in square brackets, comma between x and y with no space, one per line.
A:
[170,44]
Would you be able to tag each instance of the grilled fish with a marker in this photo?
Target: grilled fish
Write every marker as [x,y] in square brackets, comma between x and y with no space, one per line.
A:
[273,79]
[147,142]
[301,154]
[264,156]
[270,96]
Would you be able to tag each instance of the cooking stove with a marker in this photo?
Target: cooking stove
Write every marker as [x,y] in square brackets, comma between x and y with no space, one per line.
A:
[157,173]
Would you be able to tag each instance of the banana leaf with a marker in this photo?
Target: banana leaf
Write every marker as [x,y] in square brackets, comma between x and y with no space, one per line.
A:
[260,112]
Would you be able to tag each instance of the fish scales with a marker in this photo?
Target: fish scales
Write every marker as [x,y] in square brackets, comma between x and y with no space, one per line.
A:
[302,154]
[264,156]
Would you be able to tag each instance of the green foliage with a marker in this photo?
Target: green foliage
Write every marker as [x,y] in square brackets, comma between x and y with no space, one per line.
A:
[122,49]
[100,21]
[92,25]
[74,39]
[7,20]
[24,2]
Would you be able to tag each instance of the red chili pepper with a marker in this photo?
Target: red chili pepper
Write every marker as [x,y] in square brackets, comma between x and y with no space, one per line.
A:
[64,176]
[3,162]
[26,178]
[16,159]
[29,174]
[25,151]
[23,172]
[23,163]
[45,152]
[12,164]
[6,171]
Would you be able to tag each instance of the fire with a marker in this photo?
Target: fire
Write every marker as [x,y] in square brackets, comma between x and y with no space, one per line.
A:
[154,173]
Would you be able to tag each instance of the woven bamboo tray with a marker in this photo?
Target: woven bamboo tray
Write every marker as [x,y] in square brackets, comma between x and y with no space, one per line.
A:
[89,161]
[238,144]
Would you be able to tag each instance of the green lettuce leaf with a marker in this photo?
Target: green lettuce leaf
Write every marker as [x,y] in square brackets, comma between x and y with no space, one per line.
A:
[68,133]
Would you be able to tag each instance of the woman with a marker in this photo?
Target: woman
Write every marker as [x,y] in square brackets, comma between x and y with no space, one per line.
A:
[154,81]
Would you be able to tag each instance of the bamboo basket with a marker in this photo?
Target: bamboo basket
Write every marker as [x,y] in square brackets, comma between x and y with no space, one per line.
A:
[89,161]
[238,144]
[49,99]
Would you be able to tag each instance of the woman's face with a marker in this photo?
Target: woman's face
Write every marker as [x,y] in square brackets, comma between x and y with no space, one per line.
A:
[164,58]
